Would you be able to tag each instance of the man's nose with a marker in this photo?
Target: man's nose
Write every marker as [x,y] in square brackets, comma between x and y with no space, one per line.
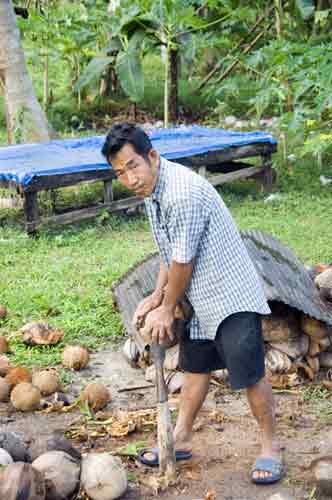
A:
[132,178]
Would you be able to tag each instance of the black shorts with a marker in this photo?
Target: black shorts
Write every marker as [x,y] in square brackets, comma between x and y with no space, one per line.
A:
[238,346]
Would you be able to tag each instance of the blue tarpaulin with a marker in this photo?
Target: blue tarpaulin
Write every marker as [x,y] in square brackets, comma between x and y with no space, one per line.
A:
[20,164]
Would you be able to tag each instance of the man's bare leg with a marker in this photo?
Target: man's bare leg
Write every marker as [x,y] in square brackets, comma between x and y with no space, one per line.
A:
[261,402]
[193,394]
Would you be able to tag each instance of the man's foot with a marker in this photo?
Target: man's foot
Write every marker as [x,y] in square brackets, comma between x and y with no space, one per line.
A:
[267,470]
[150,456]
[268,467]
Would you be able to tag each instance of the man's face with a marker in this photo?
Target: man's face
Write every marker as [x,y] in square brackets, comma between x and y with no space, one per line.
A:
[136,173]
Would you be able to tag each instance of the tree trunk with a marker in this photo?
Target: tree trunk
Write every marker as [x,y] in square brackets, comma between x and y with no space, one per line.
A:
[26,120]
[173,88]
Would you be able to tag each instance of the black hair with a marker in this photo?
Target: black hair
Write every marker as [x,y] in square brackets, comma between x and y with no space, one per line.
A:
[126,133]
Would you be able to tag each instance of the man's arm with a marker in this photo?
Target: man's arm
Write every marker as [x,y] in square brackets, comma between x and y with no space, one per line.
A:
[159,321]
[178,279]
[154,300]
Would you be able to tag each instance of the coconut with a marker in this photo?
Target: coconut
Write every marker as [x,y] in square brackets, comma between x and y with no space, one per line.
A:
[97,396]
[321,470]
[61,472]
[75,357]
[47,381]
[5,458]
[56,442]
[4,346]
[277,362]
[4,365]
[313,327]
[5,389]
[103,476]
[25,397]
[14,444]
[41,333]
[17,375]
[3,312]
[20,481]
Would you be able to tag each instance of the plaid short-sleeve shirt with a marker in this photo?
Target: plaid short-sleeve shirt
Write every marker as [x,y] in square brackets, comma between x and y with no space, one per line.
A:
[190,221]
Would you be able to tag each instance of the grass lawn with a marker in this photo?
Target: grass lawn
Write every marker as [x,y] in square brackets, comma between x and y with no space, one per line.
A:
[65,275]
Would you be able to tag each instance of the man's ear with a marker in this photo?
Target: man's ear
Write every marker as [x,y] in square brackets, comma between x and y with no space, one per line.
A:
[153,157]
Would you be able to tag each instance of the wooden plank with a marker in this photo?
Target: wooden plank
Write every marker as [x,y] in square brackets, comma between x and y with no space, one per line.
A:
[108,192]
[233,176]
[63,180]
[31,211]
[228,154]
[88,213]
[268,173]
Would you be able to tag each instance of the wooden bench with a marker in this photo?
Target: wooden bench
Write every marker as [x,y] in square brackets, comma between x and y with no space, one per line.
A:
[219,166]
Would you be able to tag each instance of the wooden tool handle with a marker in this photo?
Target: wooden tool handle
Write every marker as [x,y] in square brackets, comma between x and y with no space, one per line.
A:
[158,352]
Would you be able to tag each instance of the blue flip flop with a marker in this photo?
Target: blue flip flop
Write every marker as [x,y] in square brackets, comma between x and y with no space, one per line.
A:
[153,462]
[264,464]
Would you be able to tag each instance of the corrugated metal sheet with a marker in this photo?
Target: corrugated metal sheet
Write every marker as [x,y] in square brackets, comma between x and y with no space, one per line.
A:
[284,277]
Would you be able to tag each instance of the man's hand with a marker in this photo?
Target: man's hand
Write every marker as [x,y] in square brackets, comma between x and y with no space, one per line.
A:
[145,306]
[158,324]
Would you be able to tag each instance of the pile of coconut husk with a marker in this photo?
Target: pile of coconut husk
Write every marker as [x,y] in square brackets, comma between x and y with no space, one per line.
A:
[53,469]
[297,345]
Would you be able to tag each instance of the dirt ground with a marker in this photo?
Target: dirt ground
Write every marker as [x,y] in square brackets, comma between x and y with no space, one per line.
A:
[225,439]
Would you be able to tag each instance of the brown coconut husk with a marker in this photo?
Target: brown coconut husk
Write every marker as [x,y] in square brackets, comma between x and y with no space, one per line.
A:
[314,328]
[18,375]
[97,396]
[75,357]
[41,333]
[21,480]
[4,346]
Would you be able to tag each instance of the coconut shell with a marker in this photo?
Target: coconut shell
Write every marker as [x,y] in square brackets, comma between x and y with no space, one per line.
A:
[14,444]
[4,346]
[41,333]
[61,472]
[17,375]
[75,357]
[103,476]
[25,397]
[47,381]
[314,328]
[4,365]
[5,390]
[97,396]
[5,458]
[313,362]
[314,348]
[3,312]
[20,481]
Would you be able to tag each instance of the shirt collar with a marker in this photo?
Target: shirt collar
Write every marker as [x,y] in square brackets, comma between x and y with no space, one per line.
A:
[159,188]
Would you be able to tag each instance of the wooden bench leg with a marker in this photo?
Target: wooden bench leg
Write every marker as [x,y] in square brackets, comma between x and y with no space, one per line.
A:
[31,211]
[268,172]
[108,192]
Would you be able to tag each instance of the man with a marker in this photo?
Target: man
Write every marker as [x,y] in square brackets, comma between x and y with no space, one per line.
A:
[203,257]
